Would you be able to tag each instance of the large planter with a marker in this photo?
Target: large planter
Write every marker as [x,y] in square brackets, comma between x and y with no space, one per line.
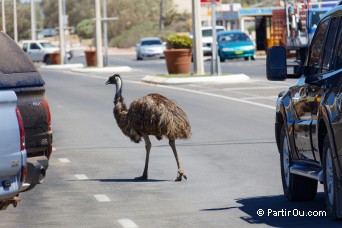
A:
[90,57]
[54,58]
[178,61]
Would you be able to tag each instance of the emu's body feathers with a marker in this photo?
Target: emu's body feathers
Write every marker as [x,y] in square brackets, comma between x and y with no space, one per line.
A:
[152,114]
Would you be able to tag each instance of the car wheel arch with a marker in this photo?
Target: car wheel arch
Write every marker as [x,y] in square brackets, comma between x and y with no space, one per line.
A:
[325,128]
[281,119]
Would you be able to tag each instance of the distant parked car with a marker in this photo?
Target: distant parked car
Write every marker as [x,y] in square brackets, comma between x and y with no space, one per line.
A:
[18,73]
[40,50]
[13,156]
[235,44]
[150,47]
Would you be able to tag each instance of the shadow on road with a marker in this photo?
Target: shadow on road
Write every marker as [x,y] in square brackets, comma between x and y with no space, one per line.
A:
[278,212]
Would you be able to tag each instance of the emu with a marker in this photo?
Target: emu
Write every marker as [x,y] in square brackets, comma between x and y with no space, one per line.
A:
[152,114]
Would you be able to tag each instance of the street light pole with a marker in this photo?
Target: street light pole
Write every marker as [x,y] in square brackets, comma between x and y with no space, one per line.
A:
[99,57]
[15,23]
[215,67]
[61,31]
[3,16]
[105,33]
[197,38]
[33,20]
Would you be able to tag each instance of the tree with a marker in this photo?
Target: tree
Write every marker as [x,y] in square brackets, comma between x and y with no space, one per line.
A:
[24,19]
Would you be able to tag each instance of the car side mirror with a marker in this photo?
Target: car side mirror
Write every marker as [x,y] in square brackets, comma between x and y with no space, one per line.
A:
[276,69]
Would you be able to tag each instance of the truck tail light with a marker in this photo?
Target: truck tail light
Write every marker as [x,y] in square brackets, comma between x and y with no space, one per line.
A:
[21,129]
[48,113]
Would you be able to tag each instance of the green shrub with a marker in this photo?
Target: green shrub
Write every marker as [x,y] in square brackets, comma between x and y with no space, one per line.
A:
[177,41]
[85,29]
[129,38]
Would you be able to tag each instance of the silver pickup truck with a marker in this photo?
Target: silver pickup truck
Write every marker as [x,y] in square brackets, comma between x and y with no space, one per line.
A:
[13,156]
[40,50]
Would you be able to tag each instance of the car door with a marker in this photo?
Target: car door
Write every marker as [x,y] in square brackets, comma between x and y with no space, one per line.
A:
[306,99]
[35,52]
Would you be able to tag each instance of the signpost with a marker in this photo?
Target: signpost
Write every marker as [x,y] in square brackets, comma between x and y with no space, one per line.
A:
[215,64]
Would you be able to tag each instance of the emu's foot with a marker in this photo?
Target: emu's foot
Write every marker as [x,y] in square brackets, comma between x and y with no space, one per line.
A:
[143,177]
[181,175]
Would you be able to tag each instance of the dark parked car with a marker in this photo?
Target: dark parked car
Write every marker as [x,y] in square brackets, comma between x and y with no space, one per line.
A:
[18,73]
[308,123]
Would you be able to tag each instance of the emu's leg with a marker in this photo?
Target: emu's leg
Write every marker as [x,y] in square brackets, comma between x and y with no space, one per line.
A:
[148,146]
[180,170]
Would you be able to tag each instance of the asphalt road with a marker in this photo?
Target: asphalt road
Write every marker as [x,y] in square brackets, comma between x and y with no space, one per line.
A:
[231,161]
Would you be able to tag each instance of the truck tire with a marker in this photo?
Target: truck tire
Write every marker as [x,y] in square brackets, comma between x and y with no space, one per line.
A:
[47,60]
[331,192]
[296,188]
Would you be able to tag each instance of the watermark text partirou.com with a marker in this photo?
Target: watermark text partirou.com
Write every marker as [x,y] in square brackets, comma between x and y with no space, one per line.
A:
[288,213]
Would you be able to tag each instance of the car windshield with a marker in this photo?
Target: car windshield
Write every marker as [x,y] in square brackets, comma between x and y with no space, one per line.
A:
[209,32]
[234,37]
[47,45]
[151,42]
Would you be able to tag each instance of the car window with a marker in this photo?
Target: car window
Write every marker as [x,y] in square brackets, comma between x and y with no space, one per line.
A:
[34,46]
[317,45]
[233,37]
[337,63]
[330,43]
[209,32]
[47,45]
[151,42]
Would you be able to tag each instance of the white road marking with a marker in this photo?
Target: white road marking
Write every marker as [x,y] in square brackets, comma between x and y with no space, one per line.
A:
[127,223]
[102,198]
[220,96]
[64,160]
[81,177]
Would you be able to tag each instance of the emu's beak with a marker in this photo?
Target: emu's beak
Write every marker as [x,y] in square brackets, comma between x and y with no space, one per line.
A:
[108,82]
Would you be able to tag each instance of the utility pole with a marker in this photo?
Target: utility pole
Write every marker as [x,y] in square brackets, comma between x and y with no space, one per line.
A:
[215,64]
[33,20]
[15,23]
[99,57]
[3,16]
[197,38]
[161,16]
[61,31]
[105,33]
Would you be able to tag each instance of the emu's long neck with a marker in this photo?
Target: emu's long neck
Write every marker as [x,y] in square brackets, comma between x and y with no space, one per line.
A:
[120,109]
[118,92]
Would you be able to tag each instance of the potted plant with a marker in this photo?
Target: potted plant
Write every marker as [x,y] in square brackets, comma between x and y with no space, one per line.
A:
[178,54]
[90,55]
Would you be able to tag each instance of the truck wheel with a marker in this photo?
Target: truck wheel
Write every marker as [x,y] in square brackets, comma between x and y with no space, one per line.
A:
[331,192]
[296,188]
[221,59]
[47,60]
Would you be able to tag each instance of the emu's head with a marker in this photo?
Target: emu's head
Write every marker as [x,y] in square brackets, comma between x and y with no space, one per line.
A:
[115,79]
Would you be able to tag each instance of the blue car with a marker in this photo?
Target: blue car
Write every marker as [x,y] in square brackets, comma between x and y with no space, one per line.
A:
[234,44]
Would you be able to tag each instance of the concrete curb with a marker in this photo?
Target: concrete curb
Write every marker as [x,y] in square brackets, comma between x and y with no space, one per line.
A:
[234,78]
[80,68]
[62,66]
